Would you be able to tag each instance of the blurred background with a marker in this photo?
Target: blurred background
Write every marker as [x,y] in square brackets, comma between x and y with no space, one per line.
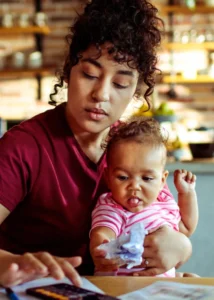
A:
[32,47]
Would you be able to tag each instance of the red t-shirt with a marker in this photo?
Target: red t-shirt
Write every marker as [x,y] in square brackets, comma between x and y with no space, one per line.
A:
[50,187]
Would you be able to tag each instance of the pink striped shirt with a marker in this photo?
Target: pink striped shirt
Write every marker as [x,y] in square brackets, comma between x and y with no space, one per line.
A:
[108,213]
[163,211]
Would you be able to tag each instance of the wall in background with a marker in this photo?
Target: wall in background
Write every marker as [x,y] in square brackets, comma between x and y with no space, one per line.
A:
[18,97]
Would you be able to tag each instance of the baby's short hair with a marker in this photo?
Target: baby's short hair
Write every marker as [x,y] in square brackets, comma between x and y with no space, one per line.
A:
[139,129]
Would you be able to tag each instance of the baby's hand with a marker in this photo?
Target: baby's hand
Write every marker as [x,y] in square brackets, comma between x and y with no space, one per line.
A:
[103,264]
[184,181]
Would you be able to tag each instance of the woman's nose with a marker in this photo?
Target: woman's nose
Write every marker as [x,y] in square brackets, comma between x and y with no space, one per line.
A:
[101,92]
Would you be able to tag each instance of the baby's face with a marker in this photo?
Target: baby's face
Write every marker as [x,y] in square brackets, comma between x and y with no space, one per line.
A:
[136,174]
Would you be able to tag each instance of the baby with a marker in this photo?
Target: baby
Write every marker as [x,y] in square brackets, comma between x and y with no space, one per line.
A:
[136,176]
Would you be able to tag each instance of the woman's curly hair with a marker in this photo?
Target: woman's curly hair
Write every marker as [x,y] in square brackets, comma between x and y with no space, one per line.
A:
[130,26]
[139,129]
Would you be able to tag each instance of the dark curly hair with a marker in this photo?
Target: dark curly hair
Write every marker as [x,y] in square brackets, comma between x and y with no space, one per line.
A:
[130,26]
[139,129]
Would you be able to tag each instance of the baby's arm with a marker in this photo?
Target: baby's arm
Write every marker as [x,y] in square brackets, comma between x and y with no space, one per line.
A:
[98,236]
[187,201]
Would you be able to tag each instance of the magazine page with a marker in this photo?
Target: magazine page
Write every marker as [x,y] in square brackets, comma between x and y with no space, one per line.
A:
[165,290]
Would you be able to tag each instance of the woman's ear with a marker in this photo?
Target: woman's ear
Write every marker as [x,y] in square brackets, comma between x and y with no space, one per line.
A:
[164,177]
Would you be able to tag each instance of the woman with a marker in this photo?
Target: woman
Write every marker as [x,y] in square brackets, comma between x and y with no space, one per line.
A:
[52,165]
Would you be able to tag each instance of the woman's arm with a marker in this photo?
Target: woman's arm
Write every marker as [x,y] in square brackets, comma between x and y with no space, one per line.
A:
[164,249]
[16,269]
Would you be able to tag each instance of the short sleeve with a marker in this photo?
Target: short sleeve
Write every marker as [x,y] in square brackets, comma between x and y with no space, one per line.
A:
[19,163]
[106,215]
[169,209]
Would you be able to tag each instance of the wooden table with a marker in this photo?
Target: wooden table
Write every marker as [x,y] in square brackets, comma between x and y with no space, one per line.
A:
[116,286]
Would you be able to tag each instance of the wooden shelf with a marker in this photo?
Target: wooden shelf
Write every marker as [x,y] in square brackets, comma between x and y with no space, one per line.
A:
[189,46]
[177,9]
[181,79]
[44,71]
[22,30]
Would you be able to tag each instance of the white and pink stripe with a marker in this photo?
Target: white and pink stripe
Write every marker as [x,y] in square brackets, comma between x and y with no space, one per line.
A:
[164,211]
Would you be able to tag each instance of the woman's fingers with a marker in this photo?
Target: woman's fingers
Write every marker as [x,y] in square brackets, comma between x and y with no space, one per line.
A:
[60,267]
[36,265]
[74,261]
[148,272]
[30,262]
[14,276]
[51,263]
[69,271]
[10,276]
[148,263]
[150,268]
[13,268]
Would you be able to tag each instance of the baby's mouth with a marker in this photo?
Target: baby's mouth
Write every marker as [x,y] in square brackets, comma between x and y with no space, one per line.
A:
[133,201]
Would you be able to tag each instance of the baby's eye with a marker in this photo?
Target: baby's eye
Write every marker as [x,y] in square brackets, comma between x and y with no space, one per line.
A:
[122,177]
[146,178]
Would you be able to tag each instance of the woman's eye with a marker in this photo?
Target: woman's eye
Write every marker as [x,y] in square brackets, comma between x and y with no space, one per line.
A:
[120,86]
[89,76]
[122,178]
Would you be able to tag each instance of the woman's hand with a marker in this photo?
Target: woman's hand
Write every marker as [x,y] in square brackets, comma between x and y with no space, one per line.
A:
[164,249]
[16,269]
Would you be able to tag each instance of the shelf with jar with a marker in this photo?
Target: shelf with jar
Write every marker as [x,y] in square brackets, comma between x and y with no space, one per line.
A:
[191,67]
[27,72]
[19,63]
[182,79]
[33,29]
[24,64]
[178,9]
[25,60]
[189,46]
